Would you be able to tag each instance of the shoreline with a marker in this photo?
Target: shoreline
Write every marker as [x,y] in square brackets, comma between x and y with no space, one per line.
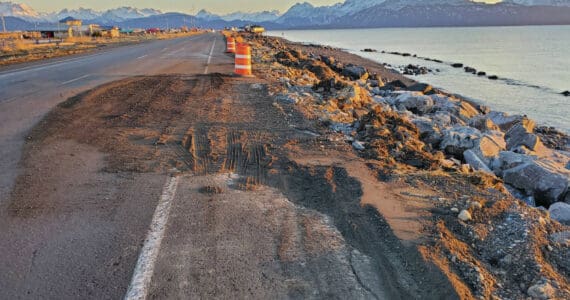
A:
[514,89]
[486,169]
[482,167]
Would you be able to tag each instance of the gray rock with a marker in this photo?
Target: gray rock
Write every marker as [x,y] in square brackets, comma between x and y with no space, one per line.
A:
[544,181]
[467,111]
[560,212]
[476,162]
[415,102]
[421,87]
[458,139]
[541,290]
[287,98]
[429,131]
[483,123]
[489,146]
[329,60]
[504,120]
[442,118]
[358,145]
[464,216]
[521,134]
[355,72]
[508,160]
[562,238]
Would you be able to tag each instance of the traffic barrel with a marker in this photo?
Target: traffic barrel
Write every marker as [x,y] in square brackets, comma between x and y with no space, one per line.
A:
[231,45]
[243,60]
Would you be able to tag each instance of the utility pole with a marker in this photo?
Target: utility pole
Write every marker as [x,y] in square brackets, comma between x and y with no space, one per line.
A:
[3,22]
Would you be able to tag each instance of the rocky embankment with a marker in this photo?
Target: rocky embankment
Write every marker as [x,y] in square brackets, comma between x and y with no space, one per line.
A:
[489,243]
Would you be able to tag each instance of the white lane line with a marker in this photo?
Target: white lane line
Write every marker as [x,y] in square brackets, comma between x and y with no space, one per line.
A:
[138,289]
[48,65]
[66,61]
[76,79]
[210,57]
[164,49]
[142,56]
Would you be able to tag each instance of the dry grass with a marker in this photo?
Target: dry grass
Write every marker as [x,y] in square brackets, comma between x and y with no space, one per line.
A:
[16,45]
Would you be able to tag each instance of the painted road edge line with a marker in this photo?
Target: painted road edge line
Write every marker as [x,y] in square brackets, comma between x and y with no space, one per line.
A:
[74,80]
[210,56]
[138,289]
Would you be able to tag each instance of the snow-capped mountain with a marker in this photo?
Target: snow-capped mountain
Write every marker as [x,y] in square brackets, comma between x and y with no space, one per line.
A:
[303,14]
[264,16]
[207,16]
[80,13]
[541,2]
[23,11]
[346,14]
[400,4]
[127,13]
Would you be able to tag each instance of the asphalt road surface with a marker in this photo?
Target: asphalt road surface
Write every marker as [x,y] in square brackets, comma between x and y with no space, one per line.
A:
[43,257]
[28,91]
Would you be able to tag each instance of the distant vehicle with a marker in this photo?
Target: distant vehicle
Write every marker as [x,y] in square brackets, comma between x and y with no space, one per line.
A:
[153,30]
[256,29]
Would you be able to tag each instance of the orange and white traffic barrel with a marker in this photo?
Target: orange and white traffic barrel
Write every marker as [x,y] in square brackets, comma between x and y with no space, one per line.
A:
[243,60]
[231,45]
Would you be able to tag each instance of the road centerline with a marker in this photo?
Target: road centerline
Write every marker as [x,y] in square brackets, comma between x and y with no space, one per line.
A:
[75,79]
[210,56]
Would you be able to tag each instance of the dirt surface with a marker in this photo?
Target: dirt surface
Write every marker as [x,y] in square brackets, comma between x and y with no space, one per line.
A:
[254,215]
[502,248]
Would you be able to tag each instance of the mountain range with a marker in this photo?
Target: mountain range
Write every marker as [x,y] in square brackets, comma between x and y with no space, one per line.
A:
[347,14]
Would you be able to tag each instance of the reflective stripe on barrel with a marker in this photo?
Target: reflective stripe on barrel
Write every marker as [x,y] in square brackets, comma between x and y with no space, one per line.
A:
[243,60]
[231,45]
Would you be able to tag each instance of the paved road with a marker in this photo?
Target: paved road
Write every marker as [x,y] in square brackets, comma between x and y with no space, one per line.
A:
[28,92]
[82,250]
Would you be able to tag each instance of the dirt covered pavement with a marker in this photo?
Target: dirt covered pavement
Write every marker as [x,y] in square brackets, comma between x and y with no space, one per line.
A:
[265,206]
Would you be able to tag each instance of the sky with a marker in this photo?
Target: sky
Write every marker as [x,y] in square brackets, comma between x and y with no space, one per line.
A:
[186,6]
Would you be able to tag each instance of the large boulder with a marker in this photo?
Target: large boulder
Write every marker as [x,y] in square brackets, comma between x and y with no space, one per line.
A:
[458,139]
[560,212]
[421,87]
[355,72]
[521,134]
[504,120]
[466,111]
[483,123]
[508,160]
[416,102]
[428,129]
[462,110]
[473,159]
[545,181]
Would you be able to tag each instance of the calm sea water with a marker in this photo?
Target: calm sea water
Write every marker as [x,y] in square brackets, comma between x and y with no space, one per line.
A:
[533,62]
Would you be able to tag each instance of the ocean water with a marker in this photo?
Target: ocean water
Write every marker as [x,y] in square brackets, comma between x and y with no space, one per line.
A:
[532,62]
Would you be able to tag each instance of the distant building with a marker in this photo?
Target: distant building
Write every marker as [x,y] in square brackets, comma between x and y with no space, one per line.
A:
[74,26]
